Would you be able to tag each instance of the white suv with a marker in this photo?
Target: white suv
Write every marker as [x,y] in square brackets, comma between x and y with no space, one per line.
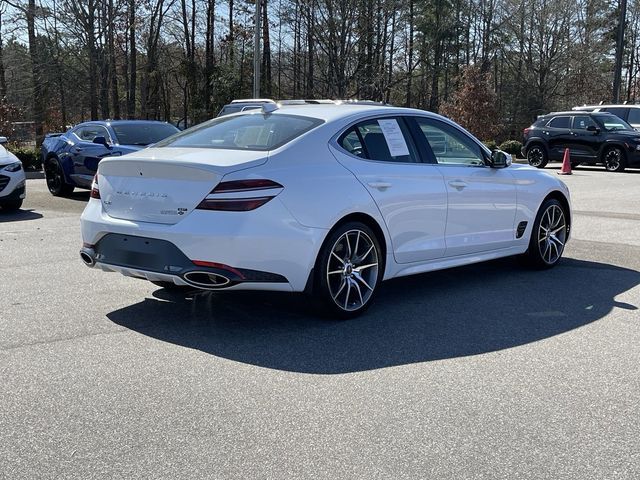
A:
[12,180]
[627,112]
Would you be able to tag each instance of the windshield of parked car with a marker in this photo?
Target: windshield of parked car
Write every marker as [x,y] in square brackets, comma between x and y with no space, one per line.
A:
[611,123]
[251,131]
[142,134]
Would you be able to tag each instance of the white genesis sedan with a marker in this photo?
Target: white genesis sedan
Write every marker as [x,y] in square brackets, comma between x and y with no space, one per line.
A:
[326,199]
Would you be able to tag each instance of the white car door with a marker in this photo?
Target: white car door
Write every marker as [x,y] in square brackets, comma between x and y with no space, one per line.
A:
[482,200]
[411,195]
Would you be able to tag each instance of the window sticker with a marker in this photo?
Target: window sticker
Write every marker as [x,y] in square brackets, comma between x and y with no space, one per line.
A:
[393,135]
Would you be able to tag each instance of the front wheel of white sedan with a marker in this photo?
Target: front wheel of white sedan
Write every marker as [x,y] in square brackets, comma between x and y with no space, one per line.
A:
[350,267]
[549,235]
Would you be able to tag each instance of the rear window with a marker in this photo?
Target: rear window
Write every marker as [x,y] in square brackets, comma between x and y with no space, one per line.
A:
[244,132]
[560,122]
[142,133]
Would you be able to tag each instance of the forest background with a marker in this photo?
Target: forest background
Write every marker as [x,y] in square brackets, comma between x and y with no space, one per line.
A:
[492,65]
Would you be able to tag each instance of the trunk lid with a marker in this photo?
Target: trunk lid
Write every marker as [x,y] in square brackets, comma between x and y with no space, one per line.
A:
[164,185]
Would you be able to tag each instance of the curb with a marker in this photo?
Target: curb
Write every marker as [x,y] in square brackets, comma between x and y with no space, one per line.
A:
[34,175]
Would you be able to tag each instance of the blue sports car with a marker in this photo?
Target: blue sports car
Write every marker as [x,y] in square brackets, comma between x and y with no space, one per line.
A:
[71,159]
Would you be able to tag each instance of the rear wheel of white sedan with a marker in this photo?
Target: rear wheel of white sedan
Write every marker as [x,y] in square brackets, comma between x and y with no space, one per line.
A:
[548,236]
[350,268]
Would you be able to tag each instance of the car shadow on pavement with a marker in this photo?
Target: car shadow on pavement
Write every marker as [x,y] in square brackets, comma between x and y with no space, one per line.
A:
[19,215]
[453,313]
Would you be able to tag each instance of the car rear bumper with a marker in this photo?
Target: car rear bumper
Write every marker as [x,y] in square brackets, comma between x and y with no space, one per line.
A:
[177,280]
[155,259]
[267,246]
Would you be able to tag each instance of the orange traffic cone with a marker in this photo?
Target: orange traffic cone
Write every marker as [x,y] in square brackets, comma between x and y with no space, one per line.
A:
[566,164]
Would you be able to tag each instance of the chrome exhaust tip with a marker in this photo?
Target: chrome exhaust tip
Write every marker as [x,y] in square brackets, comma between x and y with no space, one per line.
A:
[206,280]
[88,256]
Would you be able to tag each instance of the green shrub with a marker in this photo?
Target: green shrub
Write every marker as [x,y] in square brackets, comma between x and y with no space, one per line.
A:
[511,146]
[490,144]
[29,156]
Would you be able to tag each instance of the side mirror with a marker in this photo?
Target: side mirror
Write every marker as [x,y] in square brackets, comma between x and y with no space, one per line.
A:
[3,140]
[593,128]
[500,159]
[100,140]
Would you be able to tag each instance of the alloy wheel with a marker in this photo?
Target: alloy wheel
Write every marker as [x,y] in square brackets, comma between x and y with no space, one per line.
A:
[552,234]
[535,157]
[352,270]
[613,160]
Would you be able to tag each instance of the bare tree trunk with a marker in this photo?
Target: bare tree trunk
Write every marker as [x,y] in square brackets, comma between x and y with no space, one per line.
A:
[38,90]
[231,33]
[266,52]
[280,49]
[113,77]
[410,55]
[103,62]
[90,29]
[311,19]
[3,80]
[209,57]
[133,73]
[391,52]
[296,48]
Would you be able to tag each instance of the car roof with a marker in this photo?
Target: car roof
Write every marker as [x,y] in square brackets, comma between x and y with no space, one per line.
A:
[122,122]
[574,112]
[609,105]
[331,112]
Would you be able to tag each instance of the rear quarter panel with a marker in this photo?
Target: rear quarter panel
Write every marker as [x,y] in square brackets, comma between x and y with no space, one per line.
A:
[318,191]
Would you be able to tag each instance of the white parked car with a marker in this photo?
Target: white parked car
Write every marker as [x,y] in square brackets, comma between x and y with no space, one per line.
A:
[12,180]
[329,199]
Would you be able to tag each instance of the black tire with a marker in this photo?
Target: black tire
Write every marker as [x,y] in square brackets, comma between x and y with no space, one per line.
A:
[537,156]
[11,206]
[348,270]
[548,235]
[55,179]
[575,165]
[172,286]
[614,159]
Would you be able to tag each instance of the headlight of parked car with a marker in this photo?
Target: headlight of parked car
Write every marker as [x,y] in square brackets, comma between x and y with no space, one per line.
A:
[13,167]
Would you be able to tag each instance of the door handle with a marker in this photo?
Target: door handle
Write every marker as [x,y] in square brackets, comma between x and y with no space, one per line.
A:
[379,185]
[458,184]
[77,149]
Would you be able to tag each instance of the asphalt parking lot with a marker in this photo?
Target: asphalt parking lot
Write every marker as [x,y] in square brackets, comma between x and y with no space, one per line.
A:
[488,371]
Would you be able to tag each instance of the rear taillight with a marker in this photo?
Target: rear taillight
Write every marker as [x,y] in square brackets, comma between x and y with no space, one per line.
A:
[221,266]
[245,186]
[95,191]
[526,131]
[235,204]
